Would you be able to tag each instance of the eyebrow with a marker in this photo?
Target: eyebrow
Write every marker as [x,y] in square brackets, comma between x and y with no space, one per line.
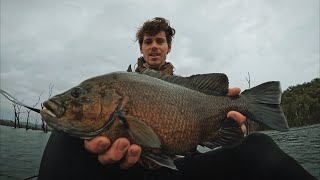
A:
[147,38]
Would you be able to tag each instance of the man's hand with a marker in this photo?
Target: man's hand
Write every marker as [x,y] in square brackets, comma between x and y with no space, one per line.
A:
[129,154]
[121,149]
[238,117]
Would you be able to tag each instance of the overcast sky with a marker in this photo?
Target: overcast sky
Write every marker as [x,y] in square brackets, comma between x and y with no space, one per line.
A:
[64,42]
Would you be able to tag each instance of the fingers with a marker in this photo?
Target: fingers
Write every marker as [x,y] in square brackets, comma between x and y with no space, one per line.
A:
[234,92]
[97,145]
[243,128]
[131,157]
[111,153]
[239,118]
[116,152]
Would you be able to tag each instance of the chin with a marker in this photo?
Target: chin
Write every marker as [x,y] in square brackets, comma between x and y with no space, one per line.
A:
[155,62]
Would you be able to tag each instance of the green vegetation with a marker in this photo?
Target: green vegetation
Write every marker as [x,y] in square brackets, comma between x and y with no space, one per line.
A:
[300,104]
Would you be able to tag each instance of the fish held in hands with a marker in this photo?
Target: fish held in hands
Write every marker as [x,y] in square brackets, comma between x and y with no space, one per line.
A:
[166,115]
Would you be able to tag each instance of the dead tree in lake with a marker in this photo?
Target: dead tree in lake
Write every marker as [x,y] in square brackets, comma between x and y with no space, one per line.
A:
[248,122]
[29,110]
[17,112]
[44,125]
[36,124]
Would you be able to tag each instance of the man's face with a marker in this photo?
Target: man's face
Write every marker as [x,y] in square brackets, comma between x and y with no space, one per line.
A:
[155,49]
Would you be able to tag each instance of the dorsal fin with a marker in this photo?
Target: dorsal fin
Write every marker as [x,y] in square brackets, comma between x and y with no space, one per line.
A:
[129,68]
[212,83]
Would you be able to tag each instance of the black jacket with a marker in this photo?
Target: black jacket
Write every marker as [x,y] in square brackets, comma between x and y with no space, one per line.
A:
[257,157]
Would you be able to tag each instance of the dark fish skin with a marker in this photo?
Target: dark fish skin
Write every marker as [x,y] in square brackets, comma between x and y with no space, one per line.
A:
[181,112]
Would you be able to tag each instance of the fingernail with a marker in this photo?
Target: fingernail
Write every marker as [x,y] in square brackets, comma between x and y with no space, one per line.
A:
[122,146]
[102,145]
[244,129]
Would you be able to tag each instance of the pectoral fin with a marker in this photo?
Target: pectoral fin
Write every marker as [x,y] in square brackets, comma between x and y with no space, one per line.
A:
[229,134]
[129,68]
[159,159]
[140,132]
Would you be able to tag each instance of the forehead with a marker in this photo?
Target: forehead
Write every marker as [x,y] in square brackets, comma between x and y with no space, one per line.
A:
[161,34]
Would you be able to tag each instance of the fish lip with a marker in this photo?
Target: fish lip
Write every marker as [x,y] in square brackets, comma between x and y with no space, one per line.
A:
[47,112]
[53,109]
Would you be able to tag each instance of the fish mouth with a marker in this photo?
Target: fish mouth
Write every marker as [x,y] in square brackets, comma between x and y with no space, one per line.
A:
[53,109]
[52,113]
[48,112]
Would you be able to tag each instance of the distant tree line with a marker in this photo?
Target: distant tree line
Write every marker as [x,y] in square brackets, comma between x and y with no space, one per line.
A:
[300,104]
[33,126]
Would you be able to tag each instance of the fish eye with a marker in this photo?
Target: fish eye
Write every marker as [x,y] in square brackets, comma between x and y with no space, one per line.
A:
[76,92]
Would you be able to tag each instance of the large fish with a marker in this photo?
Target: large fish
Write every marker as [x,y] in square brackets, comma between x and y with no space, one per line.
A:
[166,115]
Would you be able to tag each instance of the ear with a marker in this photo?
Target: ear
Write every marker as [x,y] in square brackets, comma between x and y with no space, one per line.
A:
[169,49]
[141,50]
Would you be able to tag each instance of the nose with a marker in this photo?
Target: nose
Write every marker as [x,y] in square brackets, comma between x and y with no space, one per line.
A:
[154,46]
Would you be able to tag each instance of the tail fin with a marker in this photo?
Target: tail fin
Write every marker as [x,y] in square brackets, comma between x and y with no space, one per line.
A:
[265,99]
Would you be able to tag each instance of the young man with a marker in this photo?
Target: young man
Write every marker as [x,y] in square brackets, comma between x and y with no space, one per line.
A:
[155,40]
[66,157]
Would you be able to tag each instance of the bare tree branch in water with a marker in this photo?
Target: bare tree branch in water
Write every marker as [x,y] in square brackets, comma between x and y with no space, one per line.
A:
[36,123]
[29,110]
[17,112]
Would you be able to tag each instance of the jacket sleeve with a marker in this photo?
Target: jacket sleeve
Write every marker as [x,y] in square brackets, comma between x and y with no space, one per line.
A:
[257,157]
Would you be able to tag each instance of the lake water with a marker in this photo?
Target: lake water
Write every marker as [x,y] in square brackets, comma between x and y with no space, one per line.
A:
[21,150]
[303,144]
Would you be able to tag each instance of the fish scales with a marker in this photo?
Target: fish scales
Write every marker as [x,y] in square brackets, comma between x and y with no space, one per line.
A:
[180,116]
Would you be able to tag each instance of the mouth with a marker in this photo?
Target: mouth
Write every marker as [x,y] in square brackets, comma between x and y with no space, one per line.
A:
[48,112]
[154,55]
[53,109]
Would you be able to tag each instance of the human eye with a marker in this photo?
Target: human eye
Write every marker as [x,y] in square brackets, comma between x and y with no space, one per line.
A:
[148,41]
[160,41]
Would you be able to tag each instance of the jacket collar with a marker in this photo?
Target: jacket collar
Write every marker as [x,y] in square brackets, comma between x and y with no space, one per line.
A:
[167,68]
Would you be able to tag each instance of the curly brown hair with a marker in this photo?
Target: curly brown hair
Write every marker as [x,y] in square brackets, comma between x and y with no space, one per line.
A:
[153,27]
